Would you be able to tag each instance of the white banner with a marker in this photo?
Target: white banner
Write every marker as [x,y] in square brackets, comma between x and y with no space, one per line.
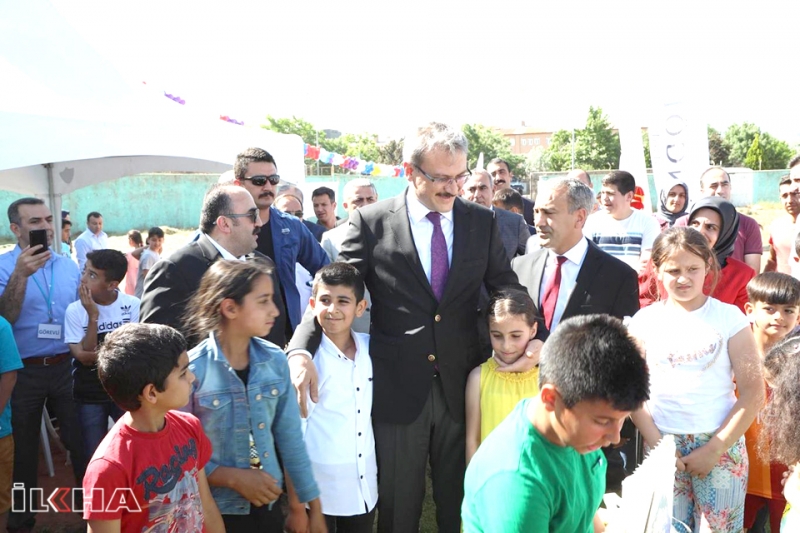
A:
[679,146]
[632,160]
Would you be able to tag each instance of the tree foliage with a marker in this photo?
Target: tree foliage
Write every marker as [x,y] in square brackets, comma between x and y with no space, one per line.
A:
[739,139]
[755,155]
[718,153]
[392,152]
[492,144]
[596,145]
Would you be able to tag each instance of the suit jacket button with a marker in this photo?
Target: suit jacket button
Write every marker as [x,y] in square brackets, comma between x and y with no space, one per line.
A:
[438,318]
[431,358]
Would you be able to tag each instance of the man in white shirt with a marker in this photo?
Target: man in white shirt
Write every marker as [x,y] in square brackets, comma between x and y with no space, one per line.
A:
[618,229]
[93,238]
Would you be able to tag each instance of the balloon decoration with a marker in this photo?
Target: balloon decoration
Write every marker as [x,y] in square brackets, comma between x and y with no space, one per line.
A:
[367,168]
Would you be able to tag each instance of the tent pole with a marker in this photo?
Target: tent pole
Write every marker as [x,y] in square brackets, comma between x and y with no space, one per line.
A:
[55,209]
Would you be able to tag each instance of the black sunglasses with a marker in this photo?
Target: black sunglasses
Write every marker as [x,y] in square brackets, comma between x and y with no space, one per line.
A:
[252,215]
[260,181]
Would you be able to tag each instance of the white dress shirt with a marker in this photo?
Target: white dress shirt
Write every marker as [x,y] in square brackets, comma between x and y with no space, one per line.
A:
[89,242]
[222,251]
[569,274]
[338,431]
[422,231]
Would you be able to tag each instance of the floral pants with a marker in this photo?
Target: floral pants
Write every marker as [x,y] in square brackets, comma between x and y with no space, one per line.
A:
[716,503]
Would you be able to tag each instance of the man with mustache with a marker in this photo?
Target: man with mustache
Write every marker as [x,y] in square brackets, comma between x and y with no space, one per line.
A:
[424,256]
[283,238]
[229,228]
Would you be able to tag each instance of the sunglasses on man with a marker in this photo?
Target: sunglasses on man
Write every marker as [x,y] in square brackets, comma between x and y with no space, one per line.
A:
[261,180]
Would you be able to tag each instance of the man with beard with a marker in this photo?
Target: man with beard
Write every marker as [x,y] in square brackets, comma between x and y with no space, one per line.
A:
[229,226]
[283,238]
[783,230]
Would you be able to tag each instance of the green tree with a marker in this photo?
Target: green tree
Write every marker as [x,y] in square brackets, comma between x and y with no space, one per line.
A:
[648,163]
[755,155]
[492,144]
[717,151]
[392,152]
[738,139]
[596,145]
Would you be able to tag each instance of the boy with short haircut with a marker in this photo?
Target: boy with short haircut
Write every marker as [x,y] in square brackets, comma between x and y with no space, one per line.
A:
[619,229]
[10,362]
[338,429]
[149,257]
[101,309]
[542,468]
[773,310]
[154,452]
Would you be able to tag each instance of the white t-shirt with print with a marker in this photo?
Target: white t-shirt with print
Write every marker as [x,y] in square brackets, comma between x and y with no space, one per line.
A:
[691,379]
[624,239]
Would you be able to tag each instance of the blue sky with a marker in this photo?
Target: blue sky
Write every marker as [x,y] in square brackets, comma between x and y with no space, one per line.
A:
[387,66]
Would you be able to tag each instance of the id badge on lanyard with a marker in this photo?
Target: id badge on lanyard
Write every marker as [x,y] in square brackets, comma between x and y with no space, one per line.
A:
[49,330]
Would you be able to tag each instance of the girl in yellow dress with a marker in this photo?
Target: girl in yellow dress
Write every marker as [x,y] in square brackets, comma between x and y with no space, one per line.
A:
[492,395]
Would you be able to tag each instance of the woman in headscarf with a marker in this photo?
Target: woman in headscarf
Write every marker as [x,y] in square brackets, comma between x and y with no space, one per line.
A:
[718,221]
[674,197]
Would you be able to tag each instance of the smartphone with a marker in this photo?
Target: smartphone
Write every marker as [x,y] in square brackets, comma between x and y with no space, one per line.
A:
[39,236]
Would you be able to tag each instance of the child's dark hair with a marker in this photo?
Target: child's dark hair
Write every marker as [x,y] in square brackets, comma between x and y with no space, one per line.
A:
[774,288]
[592,357]
[512,302]
[685,239]
[136,237]
[155,231]
[134,356]
[339,274]
[112,262]
[781,435]
[223,280]
[622,180]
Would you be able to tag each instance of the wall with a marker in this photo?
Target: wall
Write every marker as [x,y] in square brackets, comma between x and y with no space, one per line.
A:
[133,202]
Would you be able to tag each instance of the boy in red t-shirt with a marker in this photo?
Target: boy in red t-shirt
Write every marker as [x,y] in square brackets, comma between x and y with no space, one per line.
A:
[147,474]
[773,309]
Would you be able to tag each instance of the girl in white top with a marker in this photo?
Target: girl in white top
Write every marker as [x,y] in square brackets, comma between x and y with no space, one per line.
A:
[695,347]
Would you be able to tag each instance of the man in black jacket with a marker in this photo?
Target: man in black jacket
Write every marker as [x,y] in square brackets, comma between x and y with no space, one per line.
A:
[424,256]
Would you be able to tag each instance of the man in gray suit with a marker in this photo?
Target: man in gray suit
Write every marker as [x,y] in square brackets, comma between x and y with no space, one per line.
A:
[357,193]
[513,229]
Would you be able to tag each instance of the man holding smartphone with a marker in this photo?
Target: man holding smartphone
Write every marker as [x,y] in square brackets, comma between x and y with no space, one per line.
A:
[37,286]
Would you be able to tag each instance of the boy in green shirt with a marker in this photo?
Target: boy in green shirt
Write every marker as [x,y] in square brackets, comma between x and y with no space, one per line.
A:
[542,468]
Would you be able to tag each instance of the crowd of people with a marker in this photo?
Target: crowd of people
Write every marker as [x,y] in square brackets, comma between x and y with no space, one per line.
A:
[274,373]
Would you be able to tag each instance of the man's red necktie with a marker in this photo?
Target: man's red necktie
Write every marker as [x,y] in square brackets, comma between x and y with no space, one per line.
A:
[550,296]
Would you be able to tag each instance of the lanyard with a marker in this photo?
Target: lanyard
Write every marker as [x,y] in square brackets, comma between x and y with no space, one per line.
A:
[49,296]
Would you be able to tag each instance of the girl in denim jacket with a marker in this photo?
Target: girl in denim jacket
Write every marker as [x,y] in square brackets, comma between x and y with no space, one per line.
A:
[245,400]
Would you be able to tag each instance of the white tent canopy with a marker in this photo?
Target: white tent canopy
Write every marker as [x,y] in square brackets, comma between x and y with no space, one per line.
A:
[69,119]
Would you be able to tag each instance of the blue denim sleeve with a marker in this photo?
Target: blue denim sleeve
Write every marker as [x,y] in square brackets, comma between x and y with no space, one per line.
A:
[311,255]
[289,439]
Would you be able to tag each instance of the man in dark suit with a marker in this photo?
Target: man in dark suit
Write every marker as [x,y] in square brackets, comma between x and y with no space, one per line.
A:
[501,175]
[424,256]
[513,229]
[229,225]
[570,276]
[592,280]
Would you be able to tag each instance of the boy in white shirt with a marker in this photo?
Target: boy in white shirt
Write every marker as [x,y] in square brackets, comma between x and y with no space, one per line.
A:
[338,430]
[101,309]
[149,257]
[617,228]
